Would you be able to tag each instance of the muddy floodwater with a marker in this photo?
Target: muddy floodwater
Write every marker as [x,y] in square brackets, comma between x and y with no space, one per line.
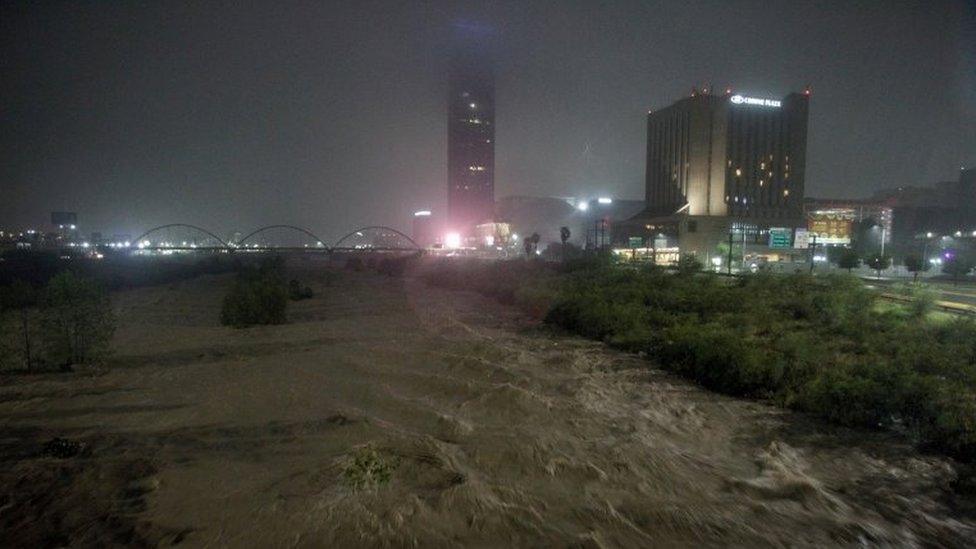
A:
[492,430]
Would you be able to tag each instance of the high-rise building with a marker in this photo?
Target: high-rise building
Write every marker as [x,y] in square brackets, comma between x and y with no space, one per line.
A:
[728,155]
[470,141]
[723,162]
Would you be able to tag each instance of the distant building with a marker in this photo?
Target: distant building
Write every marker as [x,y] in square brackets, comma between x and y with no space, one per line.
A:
[590,221]
[470,141]
[424,231]
[724,163]
[942,210]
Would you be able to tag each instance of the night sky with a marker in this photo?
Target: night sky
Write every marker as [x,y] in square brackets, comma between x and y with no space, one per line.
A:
[332,115]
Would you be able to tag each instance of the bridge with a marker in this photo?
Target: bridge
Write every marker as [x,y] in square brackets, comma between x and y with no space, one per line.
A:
[184,237]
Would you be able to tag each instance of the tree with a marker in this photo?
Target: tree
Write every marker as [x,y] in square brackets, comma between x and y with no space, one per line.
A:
[688,264]
[915,265]
[20,296]
[879,263]
[956,266]
[848,259]
[76,320]
[531,243]
[564,235]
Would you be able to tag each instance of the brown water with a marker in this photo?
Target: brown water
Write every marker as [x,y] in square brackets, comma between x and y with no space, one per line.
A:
[501,434]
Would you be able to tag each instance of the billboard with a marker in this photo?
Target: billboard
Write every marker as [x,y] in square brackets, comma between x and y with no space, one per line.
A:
[831,227]
[801,239]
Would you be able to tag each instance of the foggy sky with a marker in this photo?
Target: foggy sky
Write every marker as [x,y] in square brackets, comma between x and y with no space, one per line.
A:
[332,115]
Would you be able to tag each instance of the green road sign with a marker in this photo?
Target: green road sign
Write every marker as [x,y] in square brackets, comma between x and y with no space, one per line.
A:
[780,237]
[635,242]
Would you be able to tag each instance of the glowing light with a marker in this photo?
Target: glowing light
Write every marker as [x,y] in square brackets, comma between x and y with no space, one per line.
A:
[743,100]
[604,200]
[452,240]
[473,105]
[583,206]
[422,213]
[515,236]
[489,240]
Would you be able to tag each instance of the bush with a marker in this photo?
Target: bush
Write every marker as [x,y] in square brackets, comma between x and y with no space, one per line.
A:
[76,320]
[297,292]
[258,296]
[397,266]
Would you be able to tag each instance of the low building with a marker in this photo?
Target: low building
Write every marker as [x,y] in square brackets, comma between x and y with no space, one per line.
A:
[591,221]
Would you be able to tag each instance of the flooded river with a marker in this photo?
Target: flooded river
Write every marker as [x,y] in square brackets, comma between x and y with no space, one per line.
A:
[495,431]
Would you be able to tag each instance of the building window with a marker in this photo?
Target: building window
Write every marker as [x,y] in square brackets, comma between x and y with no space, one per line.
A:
[738,172]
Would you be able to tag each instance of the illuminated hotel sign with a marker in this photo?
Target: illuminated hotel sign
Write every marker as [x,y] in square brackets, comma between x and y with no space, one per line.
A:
[743,100]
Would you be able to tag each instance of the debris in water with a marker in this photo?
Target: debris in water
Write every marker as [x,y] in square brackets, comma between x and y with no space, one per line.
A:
[62,448]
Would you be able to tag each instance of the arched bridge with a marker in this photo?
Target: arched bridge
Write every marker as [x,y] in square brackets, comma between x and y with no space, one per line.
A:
[279,237]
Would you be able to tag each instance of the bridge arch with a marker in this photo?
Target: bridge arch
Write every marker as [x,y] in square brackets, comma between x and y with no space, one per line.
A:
[372,228]
[292,227]
[185,225]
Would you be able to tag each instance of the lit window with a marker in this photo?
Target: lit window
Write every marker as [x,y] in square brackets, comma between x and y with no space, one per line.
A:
[786,192]
[476,168]
[761,182]
[762,165]
[738,172]
[730,163]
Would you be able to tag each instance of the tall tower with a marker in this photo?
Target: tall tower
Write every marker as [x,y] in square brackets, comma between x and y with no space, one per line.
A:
[470,140]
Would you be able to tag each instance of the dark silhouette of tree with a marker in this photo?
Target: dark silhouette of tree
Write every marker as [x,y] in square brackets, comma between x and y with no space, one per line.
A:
[688,264]
[848,259]
[915,265]
[957,267]
[879,263]
[531,244]
[76,320]
[20,296]
[564,235]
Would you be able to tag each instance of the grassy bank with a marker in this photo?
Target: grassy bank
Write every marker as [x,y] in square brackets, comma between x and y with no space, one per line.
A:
[819,345]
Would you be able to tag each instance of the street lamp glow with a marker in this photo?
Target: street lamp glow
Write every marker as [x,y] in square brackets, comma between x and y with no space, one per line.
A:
[604,200]
[452,240]
[583,206]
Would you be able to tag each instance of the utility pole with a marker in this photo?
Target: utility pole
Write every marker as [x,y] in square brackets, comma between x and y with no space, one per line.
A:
[813,251]
[729,266]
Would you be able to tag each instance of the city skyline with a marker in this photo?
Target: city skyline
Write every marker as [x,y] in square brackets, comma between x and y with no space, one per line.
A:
[255,115]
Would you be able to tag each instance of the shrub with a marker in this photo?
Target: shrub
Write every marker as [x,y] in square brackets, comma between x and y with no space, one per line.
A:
[366,467]
[76,320]
[257,296]
[297,291]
